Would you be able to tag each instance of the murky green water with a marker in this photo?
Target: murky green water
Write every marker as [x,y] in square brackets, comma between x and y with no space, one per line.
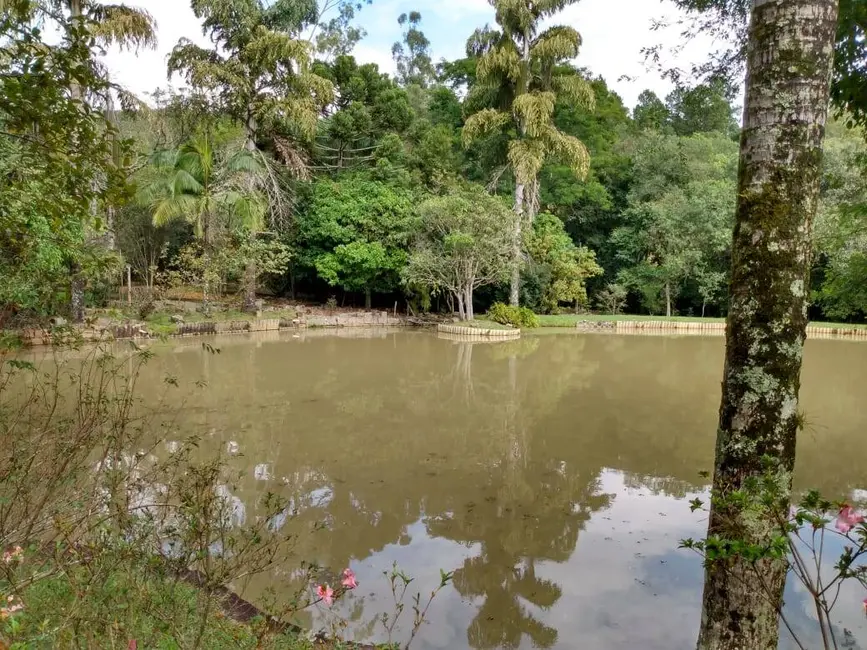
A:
[551,474]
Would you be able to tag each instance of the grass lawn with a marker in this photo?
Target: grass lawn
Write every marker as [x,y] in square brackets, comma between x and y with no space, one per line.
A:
[570,320]
[131,603]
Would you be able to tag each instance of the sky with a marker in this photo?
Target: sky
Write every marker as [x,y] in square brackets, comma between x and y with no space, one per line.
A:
[613,32]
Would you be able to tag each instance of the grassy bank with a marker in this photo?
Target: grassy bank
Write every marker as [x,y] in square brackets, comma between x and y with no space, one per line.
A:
[135,603]
[571,320]
[481,323]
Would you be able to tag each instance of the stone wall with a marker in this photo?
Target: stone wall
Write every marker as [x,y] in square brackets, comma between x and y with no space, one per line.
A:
[478,332]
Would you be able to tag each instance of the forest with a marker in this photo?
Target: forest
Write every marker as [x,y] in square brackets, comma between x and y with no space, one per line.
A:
[284,167]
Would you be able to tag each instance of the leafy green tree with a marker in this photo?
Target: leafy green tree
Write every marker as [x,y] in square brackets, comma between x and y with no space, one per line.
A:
[463,243]
[729,19]
[196,184]
[521,74]
[258,68]
[612,299]
[591,210]
[107,25]
[412,55]
[679,217]
[567,266]
[261,73]
[354,233]
[650,112]
[337,36]
[704,108]
[56,157]
[841,227]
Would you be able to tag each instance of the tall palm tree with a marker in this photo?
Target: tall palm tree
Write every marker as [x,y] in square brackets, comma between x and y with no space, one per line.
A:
[195,184]
[522,72]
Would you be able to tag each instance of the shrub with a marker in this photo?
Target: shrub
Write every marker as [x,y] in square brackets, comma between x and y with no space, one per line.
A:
[516,316]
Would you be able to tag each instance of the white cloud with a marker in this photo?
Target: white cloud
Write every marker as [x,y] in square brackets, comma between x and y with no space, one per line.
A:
[614,32]
[145,71]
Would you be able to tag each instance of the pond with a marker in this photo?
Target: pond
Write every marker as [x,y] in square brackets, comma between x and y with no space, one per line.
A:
[552,474]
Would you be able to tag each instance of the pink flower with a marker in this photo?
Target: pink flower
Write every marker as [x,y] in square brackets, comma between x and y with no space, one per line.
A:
[326,593]
[349,580]
[14,555]
[6,612]
[847,519]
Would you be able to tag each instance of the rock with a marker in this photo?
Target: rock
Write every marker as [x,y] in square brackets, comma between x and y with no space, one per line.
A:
[232,448]
[177,318]
[58,321]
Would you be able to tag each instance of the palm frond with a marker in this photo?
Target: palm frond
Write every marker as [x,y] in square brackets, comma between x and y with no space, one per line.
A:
[164,159]
[293,157]
[482,41]
[535,111]
[183,182]
[126,27]
[568,149]
[574,89]
[558,43]
[485,121]
[175,207]
[248,209]
[244,161]
[526,158]
[268,47]
[499,62]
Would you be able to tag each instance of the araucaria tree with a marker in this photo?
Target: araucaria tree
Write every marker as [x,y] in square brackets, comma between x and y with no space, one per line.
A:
[789,61]
[463,243]
[259,71]
[522,73]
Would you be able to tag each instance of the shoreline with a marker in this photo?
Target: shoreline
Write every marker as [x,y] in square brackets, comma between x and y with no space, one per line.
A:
[624,325]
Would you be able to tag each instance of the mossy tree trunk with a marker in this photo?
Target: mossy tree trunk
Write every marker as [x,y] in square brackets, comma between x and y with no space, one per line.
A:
[790,53]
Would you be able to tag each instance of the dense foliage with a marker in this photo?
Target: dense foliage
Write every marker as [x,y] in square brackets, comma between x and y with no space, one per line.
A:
[331,179]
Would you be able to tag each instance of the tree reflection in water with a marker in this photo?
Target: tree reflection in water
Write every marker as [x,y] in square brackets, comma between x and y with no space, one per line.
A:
[532,505]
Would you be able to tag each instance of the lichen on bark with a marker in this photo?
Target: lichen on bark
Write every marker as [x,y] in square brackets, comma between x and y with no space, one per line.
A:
[790,55]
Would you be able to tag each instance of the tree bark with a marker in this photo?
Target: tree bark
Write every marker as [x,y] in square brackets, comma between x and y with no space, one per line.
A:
[461,313]
[668,299]
[77,286]
[250,275]
[368,301]
[790,53]
[78,283]
[468,303]
[517,247]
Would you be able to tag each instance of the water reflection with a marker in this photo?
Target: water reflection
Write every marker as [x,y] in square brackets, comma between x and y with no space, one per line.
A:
[550,473]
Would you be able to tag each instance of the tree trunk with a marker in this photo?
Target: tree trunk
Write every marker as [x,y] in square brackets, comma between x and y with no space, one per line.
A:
[250,275]
[468,303]
[77,286]
[461,313]
[517,247]
[790,52]
[250,127]
[77,283]
[367,299]
[668,299]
